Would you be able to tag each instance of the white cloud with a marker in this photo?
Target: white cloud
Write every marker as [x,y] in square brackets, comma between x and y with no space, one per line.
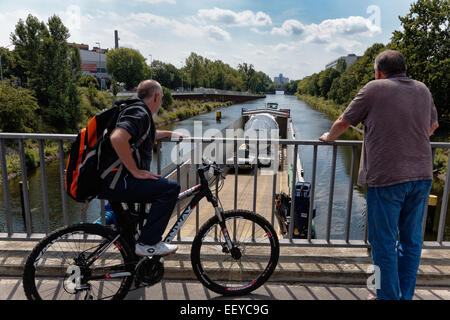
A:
[283,47]
[289,27]
[217,33]
[232,18]
[157,1]
[345,27]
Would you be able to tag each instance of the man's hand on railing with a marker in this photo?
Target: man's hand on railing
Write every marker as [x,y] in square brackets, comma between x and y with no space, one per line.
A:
[177,135]
[144,174]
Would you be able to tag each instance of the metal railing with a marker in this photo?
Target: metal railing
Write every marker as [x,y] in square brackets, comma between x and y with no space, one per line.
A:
[178,172]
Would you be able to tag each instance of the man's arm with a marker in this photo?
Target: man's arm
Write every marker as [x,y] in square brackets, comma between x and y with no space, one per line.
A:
[338,128]
[120,141]
[161,134]
[433,127]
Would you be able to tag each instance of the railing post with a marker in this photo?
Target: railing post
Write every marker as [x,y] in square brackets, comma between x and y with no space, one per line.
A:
[330,199]
[311,195]
[444,205]
[158,156]
[44,186]
[6,194]
[179,182]
[293,183]
[26,198]
[350,196]
[62,182]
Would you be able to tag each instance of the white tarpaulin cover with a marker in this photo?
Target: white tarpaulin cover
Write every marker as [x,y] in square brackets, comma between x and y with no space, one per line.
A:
[263,121]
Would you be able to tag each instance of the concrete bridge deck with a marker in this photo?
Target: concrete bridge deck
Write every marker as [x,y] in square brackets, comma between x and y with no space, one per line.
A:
[301,274]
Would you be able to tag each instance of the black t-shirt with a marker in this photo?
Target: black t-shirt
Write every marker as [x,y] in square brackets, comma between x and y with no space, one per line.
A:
[135,119]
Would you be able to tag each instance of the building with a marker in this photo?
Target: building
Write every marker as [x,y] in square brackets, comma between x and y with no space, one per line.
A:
[93,61]
[349,60]
[280,79]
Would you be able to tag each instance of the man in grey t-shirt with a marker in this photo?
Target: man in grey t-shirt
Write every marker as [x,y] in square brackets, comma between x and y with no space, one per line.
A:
[399,116]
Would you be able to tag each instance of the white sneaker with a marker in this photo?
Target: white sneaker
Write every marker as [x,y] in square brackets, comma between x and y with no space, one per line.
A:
[159,249]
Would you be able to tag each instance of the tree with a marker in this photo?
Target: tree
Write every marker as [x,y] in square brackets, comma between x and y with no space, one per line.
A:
[8,63]
[87,79]
[326,78]
[341,65]
[167,99]
[166,74]
[425,42]
[51,70]
[115,88]
[127,66]
[17,109]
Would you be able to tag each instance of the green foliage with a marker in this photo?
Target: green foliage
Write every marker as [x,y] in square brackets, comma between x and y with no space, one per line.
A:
[342,87]
[202,72]
[166,74]
[127,66]
[424,40]
[17,109]
[325,80]
[92,102]
[291,87]
[115,88]
[167,99]
[51,69]
[87,79]
[8,62]
[341,65]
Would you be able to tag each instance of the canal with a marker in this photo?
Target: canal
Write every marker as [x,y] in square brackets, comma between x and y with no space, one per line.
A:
[308,124]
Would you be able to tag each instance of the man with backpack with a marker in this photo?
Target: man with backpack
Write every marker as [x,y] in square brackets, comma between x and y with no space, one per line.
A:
[131,182]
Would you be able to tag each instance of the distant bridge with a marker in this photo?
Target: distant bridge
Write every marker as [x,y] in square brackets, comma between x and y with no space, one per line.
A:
[216,95]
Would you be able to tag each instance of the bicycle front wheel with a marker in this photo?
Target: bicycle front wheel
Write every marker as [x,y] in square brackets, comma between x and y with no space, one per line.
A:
[82,261]
[245,267]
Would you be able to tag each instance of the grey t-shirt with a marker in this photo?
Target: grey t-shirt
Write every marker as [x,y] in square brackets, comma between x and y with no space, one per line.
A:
[397,114]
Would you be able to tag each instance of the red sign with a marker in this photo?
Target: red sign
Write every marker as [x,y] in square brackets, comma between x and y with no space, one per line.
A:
[91,67]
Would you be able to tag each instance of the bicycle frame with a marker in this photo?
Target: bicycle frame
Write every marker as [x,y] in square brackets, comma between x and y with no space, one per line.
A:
[200,191]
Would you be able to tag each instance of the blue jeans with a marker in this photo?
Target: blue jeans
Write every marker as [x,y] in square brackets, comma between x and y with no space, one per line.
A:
[161,193]
[395,216]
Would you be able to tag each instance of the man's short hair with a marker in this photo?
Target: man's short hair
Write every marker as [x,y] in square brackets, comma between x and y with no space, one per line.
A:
[390,62]
[147,89]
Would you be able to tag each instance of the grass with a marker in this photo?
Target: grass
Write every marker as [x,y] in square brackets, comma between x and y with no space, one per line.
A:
[181,110]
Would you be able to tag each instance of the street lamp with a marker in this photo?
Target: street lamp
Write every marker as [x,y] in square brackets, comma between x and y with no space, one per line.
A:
[1,68]
[99,69]
[182,76]
[151,62]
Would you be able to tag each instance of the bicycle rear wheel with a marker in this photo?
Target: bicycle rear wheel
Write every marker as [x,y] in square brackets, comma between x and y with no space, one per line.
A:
[248,265]
[82,261]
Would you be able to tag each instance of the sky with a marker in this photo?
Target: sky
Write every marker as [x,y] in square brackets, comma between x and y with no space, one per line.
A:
[292,37]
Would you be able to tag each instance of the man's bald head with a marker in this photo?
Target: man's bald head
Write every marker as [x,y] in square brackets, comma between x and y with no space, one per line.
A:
[150,91]
[148,88]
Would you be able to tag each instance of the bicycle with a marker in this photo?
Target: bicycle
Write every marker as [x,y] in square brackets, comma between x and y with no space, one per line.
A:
[90,261]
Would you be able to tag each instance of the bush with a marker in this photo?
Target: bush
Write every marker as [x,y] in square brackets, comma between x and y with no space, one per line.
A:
[87,79]
[18,108]
[167,99]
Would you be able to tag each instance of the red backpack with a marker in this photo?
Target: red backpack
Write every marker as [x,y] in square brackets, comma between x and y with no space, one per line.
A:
[83,175]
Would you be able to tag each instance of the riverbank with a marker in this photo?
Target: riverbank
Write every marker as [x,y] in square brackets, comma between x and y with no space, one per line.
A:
[182,110]
[332,110]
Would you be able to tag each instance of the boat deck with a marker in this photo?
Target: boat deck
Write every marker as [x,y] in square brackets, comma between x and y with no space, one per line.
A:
[245,197]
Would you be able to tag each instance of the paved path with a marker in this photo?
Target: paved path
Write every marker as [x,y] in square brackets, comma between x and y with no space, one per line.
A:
[11,289]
